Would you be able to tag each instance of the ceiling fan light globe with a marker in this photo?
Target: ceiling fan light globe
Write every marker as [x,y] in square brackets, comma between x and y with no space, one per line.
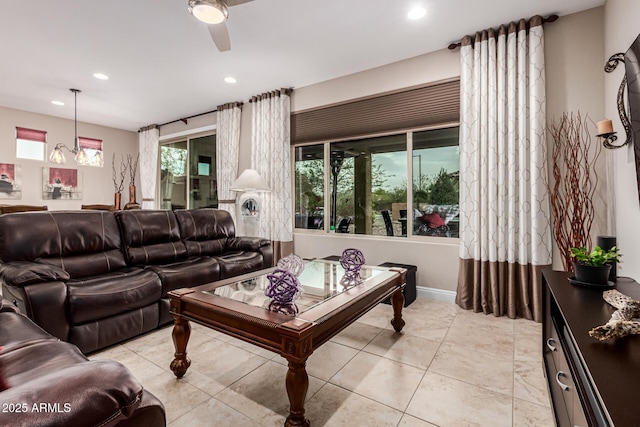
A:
[209,11]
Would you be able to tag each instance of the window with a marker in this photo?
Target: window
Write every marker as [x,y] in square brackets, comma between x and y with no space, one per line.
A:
[369,185]
[31,144]
[188,173]
[309,187]
[93,148]
[436,188]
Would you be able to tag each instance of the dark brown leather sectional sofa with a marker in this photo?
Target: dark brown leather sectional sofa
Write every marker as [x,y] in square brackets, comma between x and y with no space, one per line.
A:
[96,278]
[47,382]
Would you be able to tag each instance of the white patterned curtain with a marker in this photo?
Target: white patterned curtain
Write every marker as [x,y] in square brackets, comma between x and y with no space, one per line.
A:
[505,232]
[227,147]
[148,148]
[271,157]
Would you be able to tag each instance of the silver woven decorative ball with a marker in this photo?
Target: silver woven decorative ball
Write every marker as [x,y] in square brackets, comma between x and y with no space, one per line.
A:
[292,263]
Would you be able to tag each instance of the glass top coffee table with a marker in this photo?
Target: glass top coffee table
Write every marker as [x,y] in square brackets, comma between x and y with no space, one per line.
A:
[239,307]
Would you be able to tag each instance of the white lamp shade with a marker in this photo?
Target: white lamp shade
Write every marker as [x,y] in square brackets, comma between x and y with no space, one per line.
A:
[250,180]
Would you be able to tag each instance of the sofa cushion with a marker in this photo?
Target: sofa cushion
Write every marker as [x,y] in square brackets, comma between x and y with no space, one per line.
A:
[151,236]
[40,235]
[34,359]
[73,390]
[186,274]
[90,264]
[88,240]
[205,231]
[97,297]
[17,330]
[237,262]
[99,334]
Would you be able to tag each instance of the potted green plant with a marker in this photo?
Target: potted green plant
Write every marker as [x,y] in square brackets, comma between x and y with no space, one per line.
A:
[593,266]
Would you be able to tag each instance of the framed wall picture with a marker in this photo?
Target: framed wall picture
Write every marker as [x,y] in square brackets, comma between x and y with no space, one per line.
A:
[61,184]
[10,181]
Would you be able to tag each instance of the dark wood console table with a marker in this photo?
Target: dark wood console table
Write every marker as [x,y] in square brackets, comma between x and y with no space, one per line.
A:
[592,383]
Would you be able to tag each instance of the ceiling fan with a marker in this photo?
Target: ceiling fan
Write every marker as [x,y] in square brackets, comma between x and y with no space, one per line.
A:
[215,13]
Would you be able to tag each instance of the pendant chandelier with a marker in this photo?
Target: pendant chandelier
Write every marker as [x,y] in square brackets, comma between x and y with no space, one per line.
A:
[80,155]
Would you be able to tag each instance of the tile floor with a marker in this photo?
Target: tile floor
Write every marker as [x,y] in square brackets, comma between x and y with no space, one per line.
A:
[449,367]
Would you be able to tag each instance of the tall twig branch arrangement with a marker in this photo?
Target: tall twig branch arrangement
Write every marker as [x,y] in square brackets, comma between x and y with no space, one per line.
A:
[133,168]
[118,186]
[574,184]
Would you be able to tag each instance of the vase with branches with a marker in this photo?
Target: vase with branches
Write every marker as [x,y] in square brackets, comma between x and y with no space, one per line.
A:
[574,184]
[132,166]
[118,181]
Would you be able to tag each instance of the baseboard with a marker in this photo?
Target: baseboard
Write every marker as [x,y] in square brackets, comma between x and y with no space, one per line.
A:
[438,294]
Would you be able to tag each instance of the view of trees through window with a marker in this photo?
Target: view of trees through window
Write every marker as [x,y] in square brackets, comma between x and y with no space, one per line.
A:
[368,185]
[188,173]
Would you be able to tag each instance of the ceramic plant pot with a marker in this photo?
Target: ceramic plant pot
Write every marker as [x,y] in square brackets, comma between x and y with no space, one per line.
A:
[592,274]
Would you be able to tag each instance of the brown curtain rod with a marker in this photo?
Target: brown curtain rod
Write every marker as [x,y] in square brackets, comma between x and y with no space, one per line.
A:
[186,119]
[550,18]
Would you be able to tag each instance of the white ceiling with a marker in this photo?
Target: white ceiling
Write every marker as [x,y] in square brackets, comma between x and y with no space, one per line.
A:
[163,64]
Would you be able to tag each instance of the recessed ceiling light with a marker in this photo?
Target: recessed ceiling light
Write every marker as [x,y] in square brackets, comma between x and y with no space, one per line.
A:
[230,80]
[57,102]
[417,12]
[101,76]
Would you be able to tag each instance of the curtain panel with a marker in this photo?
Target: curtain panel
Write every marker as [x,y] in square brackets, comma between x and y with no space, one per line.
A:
[148,143]
[227,148]
[505,237]
[271,157]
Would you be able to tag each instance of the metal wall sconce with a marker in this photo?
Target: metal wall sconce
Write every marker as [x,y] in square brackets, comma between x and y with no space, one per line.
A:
[605,131]
[605,128]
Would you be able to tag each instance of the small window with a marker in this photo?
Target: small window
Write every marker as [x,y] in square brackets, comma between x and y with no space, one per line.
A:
[309,187]
[31,144]
[93,148]
[436,184]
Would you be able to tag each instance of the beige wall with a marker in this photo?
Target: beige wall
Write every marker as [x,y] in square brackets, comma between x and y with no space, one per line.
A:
[621,28]
[98,183]
[574,47]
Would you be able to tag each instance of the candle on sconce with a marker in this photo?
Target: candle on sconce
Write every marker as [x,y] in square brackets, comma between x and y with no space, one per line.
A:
[605,127]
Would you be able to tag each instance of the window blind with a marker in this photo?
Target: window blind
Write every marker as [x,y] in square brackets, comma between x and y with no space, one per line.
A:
[90,143]
[31,134]
[412,108]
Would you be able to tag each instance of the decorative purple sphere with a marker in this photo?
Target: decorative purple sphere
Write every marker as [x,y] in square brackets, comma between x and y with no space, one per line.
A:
[352,260]
[283,286]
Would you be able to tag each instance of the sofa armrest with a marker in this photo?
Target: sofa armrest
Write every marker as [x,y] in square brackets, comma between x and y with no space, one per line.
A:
[23,273]
[244,243]
[255,244]
[98,392]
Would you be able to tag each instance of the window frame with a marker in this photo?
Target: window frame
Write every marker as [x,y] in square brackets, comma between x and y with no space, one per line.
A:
[39,140]
[180,137]
[409,178]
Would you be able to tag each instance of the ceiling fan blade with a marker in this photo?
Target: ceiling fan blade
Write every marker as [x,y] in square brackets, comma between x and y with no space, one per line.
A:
[236,2]
[220,36]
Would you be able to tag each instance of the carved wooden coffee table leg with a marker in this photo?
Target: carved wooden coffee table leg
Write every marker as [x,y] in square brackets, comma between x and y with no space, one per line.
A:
[297,385]
[297,351]
[397,300]
[180,334]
